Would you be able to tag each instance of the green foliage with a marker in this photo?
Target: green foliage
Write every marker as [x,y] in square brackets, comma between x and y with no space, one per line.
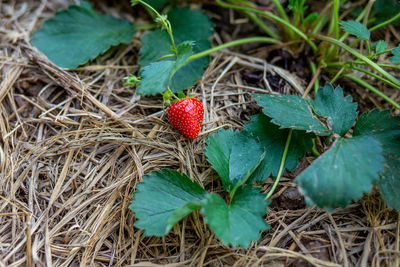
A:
[313,16]
[187,24]
[350,167]
[395,59]
[273,139]
[379,46]
[79,34]
[156,77]
[356,28]
[164,198]
[185,50]
[384,9]
[297,6]
[333,51]
[240,222]
[234,156]
[340,175]
[291,111]
[343,173]
[156,4]
[386,130]
[150,40]
[131,80]
[340,111]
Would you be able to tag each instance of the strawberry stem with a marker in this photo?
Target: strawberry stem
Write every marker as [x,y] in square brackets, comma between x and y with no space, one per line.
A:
[282,166]
[232,43]
[167,95]
[161,19]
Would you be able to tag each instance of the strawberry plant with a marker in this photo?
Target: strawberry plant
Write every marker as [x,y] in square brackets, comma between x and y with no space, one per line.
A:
[166,197]
[350,166]
[274,141]
[356,154]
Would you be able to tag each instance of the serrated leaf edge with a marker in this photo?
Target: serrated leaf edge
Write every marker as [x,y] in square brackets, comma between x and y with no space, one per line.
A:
[83,5]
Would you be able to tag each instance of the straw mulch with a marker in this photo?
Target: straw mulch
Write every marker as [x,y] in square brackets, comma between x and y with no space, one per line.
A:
[75,144]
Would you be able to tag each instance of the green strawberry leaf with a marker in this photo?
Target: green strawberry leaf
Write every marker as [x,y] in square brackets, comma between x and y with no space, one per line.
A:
[379,46]
[239,223]
[340,111]
[386,130]
[156,77]
[234,156]
[79,34]
[185,50]
[163,199]
[187,25]
[291,111]
[186,76]
[395,59]
[385,9]
[154,39]
[356,28]
[274,140]
[343,173]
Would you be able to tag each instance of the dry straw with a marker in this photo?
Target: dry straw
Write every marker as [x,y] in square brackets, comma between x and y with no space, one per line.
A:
[74,144]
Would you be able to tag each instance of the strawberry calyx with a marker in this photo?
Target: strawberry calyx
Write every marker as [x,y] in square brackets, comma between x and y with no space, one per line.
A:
[169,97]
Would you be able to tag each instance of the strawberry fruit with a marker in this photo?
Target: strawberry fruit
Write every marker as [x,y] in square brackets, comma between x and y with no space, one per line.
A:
[186,115]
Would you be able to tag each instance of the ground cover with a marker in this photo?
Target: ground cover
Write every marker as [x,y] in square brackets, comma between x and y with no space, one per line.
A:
[76,143]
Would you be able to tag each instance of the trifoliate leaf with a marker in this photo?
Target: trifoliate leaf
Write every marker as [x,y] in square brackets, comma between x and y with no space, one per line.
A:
[343,173]
[164,198]
[386,130]
[395,59]
[379,46]
[239,223]
[234,156]
[291,111]
[274,140]
[340,111]
[187,24]
[356,28]
[79,34]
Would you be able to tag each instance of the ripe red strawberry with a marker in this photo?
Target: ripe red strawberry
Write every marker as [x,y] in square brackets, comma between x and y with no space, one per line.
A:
[186,116]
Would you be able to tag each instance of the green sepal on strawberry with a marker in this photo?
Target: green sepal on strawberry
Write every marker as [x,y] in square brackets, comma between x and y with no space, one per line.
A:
[186,115]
